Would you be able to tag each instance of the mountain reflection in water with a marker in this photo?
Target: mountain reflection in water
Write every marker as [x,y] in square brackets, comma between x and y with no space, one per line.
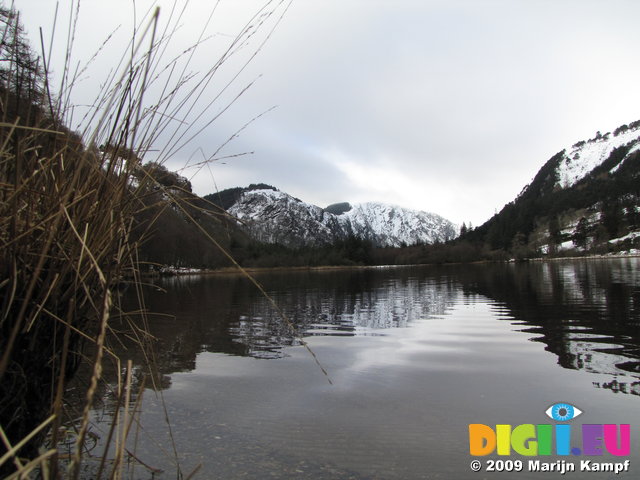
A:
[227,314]
[585,312]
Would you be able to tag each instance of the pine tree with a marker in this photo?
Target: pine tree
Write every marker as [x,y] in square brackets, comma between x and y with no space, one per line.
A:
[555,235]
[631,214]
[612,217]
[20,69]
[580,234]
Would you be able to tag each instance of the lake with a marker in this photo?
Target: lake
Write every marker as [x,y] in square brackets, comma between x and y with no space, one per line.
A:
[412,356]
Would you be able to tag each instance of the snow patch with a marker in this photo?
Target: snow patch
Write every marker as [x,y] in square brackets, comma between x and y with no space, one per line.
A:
[630,236]
[583,157]
[568,245]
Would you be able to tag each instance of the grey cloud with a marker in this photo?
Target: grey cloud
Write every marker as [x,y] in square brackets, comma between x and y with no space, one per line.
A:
[461,100]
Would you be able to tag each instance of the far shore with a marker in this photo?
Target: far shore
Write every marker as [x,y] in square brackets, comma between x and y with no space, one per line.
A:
[182,271]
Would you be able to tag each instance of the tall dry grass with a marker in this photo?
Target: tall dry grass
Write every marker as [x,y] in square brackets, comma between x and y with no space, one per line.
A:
[67,207]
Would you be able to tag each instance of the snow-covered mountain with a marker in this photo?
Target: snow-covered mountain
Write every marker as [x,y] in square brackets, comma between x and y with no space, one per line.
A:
[585,197]
[272,216]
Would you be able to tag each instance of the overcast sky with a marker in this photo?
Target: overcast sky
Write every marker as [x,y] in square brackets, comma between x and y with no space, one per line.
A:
[445,106]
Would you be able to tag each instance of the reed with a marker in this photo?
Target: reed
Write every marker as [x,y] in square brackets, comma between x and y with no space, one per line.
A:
[68,202]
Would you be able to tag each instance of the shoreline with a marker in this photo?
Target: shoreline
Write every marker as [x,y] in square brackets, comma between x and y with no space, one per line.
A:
[607,256]
[182,271]
[237,271]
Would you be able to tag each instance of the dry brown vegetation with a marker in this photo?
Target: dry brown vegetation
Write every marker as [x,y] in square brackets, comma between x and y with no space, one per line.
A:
[67,212]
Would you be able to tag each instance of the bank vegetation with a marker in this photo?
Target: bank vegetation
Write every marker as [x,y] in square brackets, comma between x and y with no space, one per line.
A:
[75,208]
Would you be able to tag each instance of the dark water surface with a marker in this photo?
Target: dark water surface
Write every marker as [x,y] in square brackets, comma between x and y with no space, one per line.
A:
[414,355]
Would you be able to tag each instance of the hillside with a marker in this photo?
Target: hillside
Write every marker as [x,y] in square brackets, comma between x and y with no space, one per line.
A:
[584,198]
[173,224]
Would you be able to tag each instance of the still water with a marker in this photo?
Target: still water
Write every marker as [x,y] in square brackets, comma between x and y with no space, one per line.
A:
[412,357]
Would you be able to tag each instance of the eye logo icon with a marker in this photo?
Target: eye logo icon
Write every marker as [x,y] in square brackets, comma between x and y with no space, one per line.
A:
[563,412]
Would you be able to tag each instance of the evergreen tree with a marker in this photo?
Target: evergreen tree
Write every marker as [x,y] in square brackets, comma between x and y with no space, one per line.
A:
[612,217]
[580,234]
[631,214]
[20,70]
[555,235]
[601,235]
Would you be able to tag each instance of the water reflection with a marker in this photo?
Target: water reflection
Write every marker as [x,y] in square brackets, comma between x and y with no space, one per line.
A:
[586,312]
[337,310]
[416,354]
[227,314]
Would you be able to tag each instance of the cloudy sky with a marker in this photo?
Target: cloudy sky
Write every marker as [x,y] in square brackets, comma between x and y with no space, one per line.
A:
[446,106]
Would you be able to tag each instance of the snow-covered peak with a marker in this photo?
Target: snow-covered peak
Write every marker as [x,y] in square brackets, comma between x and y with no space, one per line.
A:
[386,208]
[274,216]
[262,193]
[581,158]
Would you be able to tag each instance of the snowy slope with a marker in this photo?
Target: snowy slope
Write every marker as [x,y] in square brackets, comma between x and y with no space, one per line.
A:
[390,225]
[273,216]
[587,194]
[580,159]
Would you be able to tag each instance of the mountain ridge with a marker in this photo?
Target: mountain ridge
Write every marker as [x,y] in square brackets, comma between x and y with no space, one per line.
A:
[272,216]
